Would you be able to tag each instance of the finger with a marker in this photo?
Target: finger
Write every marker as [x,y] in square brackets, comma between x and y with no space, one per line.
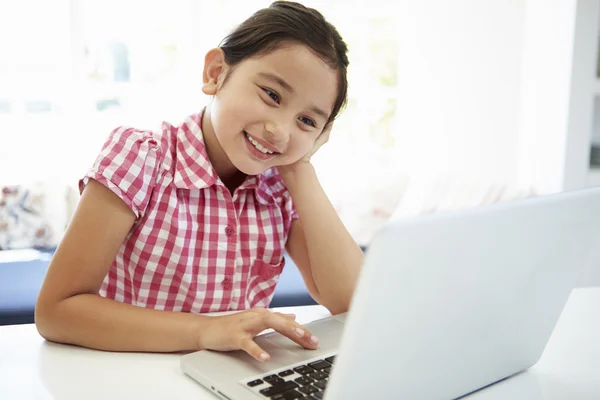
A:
[291,316]
[327,131]
[322,139]
[292,330]
[318,144]
[250,347]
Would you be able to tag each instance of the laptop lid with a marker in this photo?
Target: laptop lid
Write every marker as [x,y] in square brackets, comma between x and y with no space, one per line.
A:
[452,302]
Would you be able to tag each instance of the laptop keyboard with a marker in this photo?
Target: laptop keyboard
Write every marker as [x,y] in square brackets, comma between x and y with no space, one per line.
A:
[307,381]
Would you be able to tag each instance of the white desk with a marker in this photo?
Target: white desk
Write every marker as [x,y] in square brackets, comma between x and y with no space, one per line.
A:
[31,368]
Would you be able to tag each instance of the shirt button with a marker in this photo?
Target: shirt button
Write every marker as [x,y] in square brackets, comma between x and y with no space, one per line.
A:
[227,284]
[228,231]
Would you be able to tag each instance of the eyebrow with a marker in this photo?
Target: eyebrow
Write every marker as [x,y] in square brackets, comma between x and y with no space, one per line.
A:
[281,82]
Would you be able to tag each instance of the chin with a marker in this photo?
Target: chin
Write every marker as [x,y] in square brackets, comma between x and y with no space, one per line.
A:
[250,168]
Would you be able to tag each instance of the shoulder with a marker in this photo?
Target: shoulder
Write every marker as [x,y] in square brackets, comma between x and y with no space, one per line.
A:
[128,142]
[133,146]
[130,165]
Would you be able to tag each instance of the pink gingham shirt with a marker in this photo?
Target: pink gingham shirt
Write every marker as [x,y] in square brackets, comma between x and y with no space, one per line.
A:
[194,247]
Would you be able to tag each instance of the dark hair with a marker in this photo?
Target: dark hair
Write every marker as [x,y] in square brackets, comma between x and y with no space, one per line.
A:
[289,22]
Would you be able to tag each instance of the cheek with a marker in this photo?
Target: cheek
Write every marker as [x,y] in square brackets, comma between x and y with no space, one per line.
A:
[236,111]
[222,111]
[301,144]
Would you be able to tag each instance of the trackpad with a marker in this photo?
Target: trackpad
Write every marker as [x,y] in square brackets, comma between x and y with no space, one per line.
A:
[328,330]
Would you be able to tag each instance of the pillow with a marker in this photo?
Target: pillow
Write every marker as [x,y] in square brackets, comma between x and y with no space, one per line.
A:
[32,215]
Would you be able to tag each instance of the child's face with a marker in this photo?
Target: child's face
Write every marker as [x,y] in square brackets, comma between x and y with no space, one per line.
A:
[281,101]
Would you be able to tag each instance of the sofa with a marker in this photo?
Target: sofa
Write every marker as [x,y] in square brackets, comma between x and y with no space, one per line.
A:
[21,275]
[32,219]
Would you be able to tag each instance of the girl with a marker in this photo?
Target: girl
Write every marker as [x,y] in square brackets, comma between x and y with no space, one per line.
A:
[196,218]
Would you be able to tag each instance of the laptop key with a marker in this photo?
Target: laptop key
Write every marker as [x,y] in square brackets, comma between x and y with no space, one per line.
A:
[308,389]
[278,388]
[304,370]
[273,379]
[321,384]
[319,376]
[319,365]
[303,380]
[286,372]
[319,395]
[327,371]
[292,395]
[254,383]
[280,396]
[330,359]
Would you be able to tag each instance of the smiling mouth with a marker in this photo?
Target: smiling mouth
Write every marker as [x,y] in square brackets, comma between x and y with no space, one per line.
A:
[258,146]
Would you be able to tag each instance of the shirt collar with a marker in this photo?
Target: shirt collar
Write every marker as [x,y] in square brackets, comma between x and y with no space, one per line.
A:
[193,169]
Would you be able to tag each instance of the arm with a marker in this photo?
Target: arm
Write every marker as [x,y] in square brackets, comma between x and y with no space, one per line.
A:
[326,254]
[69,309]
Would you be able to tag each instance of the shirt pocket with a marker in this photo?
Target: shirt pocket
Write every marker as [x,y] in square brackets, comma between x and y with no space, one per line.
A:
[263,280]
[265,271]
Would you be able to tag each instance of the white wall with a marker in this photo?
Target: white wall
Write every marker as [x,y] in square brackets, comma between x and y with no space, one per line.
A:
[460,68]
[493,89]
[582,93]
[557,99]
[548,54]
[496,90]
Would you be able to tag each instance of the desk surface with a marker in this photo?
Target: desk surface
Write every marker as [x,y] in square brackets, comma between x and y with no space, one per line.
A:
[31,368]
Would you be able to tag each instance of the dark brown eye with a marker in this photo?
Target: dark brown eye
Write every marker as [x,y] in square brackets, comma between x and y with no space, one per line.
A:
[307,121]
[272,95]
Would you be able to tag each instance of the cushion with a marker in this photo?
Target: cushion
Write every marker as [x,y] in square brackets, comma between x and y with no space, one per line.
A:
[21,275]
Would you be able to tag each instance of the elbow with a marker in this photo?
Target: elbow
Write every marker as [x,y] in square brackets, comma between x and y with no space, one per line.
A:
[341,302]
[45,321]
[337,310]
[336,301]
[333,307]
[340,305]
[42,322]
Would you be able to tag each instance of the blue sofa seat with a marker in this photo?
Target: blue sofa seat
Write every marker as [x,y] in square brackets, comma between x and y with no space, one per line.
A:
[291,290]
[22,273]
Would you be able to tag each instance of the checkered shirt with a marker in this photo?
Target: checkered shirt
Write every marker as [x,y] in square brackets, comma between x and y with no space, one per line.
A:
[194,247]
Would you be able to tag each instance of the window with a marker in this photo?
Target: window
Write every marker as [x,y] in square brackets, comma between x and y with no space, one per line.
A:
[89,66]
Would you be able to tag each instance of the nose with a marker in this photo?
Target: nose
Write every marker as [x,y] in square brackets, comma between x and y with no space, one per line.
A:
[277,130]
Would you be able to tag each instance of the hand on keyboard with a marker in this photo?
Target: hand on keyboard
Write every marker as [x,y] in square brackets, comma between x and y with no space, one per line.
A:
[237,331]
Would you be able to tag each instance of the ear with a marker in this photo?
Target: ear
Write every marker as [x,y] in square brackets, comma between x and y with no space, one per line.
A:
[214,71]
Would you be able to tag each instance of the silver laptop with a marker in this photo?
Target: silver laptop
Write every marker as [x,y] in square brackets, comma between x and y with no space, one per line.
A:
[446,304]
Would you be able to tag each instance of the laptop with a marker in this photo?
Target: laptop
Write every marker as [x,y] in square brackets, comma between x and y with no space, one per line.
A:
[446,304]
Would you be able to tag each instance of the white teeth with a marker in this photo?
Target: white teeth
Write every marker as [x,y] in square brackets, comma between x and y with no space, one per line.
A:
[258,145]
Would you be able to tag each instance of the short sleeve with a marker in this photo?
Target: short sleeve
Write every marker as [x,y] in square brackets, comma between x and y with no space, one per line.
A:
[128,165]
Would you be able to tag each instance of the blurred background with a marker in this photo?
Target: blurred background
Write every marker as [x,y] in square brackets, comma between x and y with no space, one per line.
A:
[451,104]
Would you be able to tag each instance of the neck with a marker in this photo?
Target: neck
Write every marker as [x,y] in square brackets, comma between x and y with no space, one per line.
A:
[227,172]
